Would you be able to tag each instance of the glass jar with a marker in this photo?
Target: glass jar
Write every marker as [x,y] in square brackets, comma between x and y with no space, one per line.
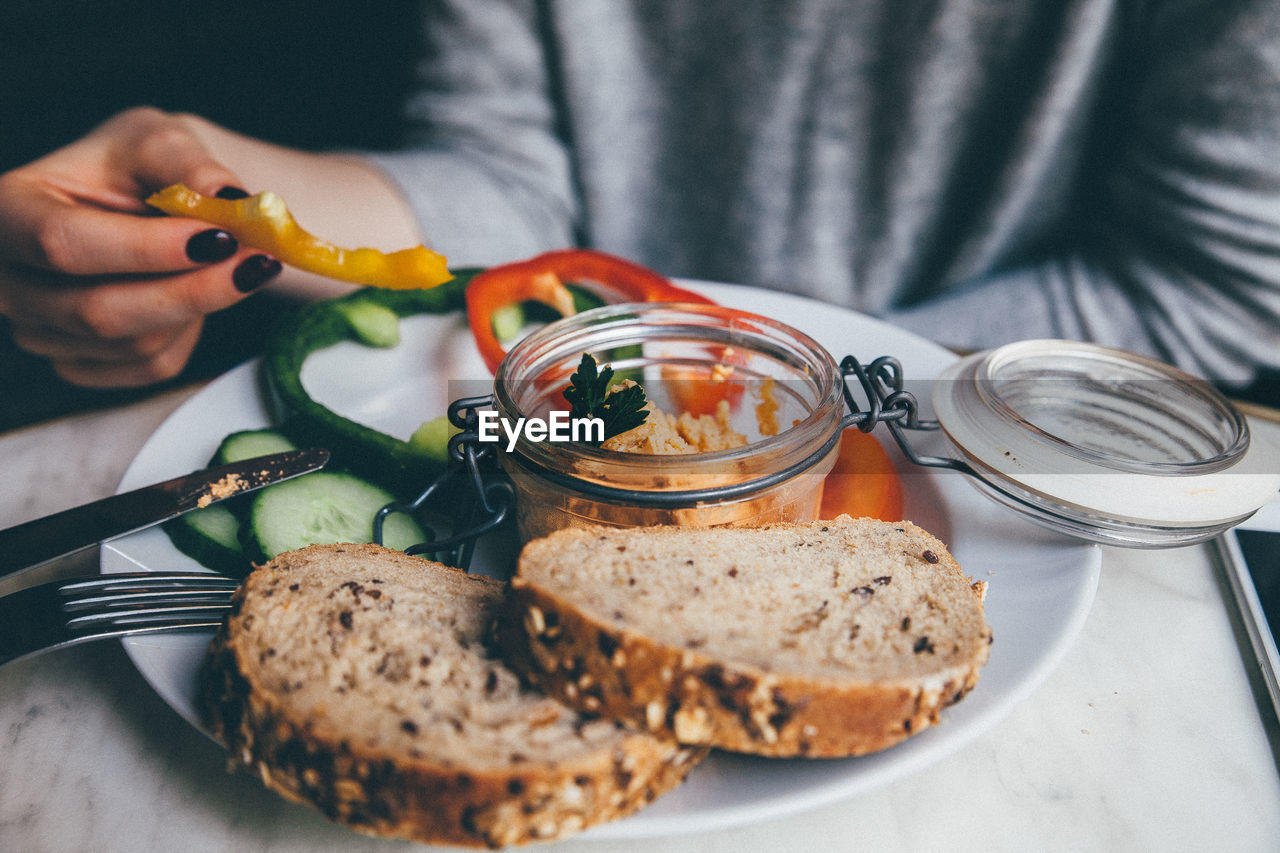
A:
[767,369]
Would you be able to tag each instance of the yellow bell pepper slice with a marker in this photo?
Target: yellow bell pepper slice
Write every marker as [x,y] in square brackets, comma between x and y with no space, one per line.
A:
[263,221]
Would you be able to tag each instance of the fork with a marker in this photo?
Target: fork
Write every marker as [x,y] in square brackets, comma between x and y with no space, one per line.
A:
[77,610]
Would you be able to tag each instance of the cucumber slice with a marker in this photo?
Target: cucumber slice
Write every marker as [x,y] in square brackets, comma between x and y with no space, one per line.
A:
[211,537]
[322,508]
[248,443]
[433,437]
[507,322]
[373,324]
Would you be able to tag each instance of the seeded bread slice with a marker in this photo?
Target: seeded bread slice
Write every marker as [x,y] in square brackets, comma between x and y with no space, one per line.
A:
[356,679]
[826,639]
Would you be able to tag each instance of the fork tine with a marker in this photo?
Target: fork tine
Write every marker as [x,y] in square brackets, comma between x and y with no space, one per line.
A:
[146,600]
[138,598]
[78,610]
[102,598]
[133,600]
[167,625]
[144,615]
[147,580]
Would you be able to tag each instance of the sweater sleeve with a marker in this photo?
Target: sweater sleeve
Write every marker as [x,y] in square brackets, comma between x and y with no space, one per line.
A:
[1178,252]
[484,167]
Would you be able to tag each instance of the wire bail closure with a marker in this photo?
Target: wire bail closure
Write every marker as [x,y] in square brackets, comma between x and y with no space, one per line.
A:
[889,403]
[485,499]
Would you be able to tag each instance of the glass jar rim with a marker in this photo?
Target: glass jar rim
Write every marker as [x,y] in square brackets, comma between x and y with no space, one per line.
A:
[619,325]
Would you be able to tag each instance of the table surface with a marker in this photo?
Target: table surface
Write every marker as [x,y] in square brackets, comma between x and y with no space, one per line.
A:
[1152,734]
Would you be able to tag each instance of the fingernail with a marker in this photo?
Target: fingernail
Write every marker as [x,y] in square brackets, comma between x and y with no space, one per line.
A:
[255,271]
[231,193]
[207,247]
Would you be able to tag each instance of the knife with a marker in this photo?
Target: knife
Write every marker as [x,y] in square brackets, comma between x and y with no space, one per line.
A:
[34,542]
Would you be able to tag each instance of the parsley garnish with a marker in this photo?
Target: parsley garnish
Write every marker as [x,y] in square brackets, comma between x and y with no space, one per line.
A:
[589,396]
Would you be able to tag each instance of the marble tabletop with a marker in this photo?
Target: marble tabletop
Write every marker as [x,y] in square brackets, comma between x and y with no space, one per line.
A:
[1151,734]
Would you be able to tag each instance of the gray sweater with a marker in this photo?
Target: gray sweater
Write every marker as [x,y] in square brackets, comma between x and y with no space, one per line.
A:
[976,170]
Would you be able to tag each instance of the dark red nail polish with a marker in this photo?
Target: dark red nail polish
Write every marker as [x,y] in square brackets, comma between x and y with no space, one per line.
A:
[255,271]
[231,193]
[209,247]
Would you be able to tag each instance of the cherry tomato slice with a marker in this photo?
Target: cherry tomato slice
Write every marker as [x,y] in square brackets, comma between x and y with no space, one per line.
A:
[863,483]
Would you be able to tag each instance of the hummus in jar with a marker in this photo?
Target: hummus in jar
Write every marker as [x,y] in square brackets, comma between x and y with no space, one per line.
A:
[668,434]
[663,433]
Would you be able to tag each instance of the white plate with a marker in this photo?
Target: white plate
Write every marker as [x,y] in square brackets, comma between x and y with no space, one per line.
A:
[1041,585]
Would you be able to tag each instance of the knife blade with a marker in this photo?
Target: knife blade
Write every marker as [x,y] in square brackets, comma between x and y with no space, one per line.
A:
[35,542]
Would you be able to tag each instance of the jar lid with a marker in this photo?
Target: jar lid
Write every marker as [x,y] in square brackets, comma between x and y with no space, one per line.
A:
[1104,444]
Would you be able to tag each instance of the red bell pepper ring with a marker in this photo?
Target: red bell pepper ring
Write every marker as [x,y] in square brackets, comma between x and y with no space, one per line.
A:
[542,278]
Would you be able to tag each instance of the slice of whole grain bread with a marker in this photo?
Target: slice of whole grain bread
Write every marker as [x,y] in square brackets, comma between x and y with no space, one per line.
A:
[823,639]
[357,679]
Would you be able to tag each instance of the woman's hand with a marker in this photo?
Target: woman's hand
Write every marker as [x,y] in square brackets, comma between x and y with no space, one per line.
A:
[91,279]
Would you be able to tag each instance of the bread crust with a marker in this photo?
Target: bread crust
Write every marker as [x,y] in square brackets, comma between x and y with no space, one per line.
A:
[599,667]
[384,793]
